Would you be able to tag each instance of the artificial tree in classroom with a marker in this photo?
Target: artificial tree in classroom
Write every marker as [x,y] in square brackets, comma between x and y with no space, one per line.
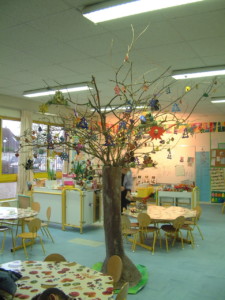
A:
[138,119]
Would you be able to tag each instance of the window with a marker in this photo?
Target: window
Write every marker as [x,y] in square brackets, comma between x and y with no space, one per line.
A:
[10,145]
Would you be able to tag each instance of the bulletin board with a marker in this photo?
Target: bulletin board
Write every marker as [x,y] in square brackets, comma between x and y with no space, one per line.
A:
[177,169]
[217,178]
[218,158]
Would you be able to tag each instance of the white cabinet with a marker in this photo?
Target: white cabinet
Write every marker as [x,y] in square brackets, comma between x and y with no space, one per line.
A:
[178,198]
[70,207]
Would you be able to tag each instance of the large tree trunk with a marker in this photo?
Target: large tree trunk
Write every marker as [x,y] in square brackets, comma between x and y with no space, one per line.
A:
[112,225]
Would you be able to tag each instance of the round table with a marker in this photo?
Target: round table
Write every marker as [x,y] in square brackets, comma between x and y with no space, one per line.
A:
[72,278]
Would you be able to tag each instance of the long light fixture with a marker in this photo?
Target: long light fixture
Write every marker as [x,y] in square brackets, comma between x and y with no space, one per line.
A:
[69,88]
[218,99]
[110,10]
[199,72]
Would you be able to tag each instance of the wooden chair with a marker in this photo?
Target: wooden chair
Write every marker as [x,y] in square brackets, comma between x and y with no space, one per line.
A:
[34,206]
[127,230]
[114,268]
[34,225]
[173,230]
[55,257]
[144,221]
[122,295]
[44,225]
[194,221]
[4,229]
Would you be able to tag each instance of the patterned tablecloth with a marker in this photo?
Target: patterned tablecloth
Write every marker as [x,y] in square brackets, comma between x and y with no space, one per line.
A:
[74,279]
[13,213]
[163,214]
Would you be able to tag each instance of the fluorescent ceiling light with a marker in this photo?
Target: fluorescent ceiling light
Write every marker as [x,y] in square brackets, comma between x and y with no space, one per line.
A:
[199,72]
[69,88]
[102,12]
[218,99]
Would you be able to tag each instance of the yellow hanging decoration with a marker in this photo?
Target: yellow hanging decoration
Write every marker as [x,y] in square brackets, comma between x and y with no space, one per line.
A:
[187,88]
[43,108]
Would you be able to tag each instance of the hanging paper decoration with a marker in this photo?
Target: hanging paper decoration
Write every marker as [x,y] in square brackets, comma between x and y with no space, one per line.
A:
[156,132]
[185,133]
[109,141]
[117,90]
[169,156]
[43,108]
[128,106]
[154,104]
[168,90]
[145,87]
[64,156]
[29,164]
[122,125]
[205,95]
[175,108]
[83,123]
[143,119]
[187,88]
[39,129]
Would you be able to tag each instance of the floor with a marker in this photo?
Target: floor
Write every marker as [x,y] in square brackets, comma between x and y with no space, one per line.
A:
[188,274]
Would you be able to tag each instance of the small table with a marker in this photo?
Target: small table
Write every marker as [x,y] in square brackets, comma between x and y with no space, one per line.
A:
[14,213]
[161,214]
[72,278]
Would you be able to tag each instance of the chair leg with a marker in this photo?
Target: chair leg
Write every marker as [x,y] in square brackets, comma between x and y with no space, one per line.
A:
[48,233]
[3,242]
[42,245]
[24,247]
[167,248]
[154,241]
[192,239]
[200,231]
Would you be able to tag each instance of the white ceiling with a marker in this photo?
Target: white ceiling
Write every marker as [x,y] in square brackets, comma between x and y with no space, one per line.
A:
[49,42]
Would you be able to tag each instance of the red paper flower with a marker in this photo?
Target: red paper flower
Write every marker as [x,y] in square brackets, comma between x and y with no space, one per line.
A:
[156,132]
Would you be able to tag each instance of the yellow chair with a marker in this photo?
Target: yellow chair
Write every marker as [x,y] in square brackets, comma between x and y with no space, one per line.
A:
[122,295]
[44,225]
[34,225]
[173,230]
[194,221]
[114,268]
[4,229]
[55,257]
[127,230]
[144,221]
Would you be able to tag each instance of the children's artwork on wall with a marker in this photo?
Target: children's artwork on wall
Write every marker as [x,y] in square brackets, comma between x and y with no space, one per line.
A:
[179,170]
[190,161]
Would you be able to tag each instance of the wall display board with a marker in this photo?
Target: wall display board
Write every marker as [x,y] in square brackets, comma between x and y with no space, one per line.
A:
[218,158]
[172,167]
[217,185]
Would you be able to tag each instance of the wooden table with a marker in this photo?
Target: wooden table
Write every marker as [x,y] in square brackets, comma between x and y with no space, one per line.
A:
[72,278]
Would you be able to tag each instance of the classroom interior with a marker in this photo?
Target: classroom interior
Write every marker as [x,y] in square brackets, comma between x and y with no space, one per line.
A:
[50,43]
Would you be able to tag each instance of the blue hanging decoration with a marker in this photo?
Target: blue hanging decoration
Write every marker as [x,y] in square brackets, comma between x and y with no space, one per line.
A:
[83,124]
[64,156]
[122,125]
[154,104]
[175,108]
[143,119]
[62,139]
[109,141]
[49,138]
[39,129]
[185,134]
